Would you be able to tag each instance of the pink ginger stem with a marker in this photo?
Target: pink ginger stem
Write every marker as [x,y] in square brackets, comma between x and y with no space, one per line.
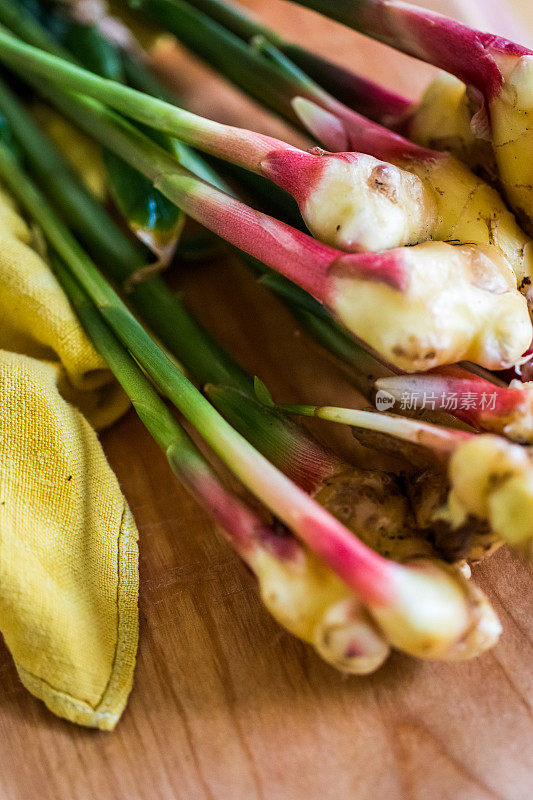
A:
[296,172]
[291,252]
[372,577]
[370,137]
[466,396]
[379,103]
[244,529]
[296,255]
[495,16]
[354,132]
[340,129]
[424,34]
[434,437]
[346,130]
[244,148]
[299,173]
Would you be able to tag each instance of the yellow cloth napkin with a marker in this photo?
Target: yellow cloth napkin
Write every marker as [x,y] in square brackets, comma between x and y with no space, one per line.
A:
[68,543]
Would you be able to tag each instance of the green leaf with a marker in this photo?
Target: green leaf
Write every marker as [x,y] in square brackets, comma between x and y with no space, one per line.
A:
[267,50]
[154,219]
[262,393]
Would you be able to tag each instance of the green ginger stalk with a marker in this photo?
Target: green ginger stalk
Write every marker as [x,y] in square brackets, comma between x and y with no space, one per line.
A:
[156,221]
[162,309]
[372,100]
[444,119]
[287,440]
[363,368]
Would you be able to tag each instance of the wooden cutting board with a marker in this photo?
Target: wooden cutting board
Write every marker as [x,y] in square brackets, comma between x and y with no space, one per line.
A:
[225,705]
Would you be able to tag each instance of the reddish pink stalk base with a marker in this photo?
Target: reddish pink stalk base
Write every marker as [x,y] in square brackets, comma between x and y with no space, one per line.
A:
[307,468]
[302,259]
[286,444]
[477,399]
[296,172]
[387,268]
[442,42]
[244,529]
[340,129]
[368,98]
[299,173]
[292,253]
[432,37]
[244,148]
[369,574]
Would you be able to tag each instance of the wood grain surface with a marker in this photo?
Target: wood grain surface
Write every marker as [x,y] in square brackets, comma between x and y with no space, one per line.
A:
[225,705]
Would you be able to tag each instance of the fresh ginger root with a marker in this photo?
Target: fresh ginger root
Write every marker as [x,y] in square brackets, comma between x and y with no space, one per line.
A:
[442,304]
[445,120]
[468,209]
[492,479]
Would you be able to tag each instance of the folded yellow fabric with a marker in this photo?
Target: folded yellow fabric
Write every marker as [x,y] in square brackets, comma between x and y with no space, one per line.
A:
[68,543]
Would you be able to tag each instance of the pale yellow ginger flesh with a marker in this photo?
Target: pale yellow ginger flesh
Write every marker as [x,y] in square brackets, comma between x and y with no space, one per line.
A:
[312,603]
[471,211]
[492,479]
[460,304]
[374,507]
[436,613]
[369,205]
[449,119]
[445,119]
[511,115]
[347,632]
[439,614]
[454,621]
